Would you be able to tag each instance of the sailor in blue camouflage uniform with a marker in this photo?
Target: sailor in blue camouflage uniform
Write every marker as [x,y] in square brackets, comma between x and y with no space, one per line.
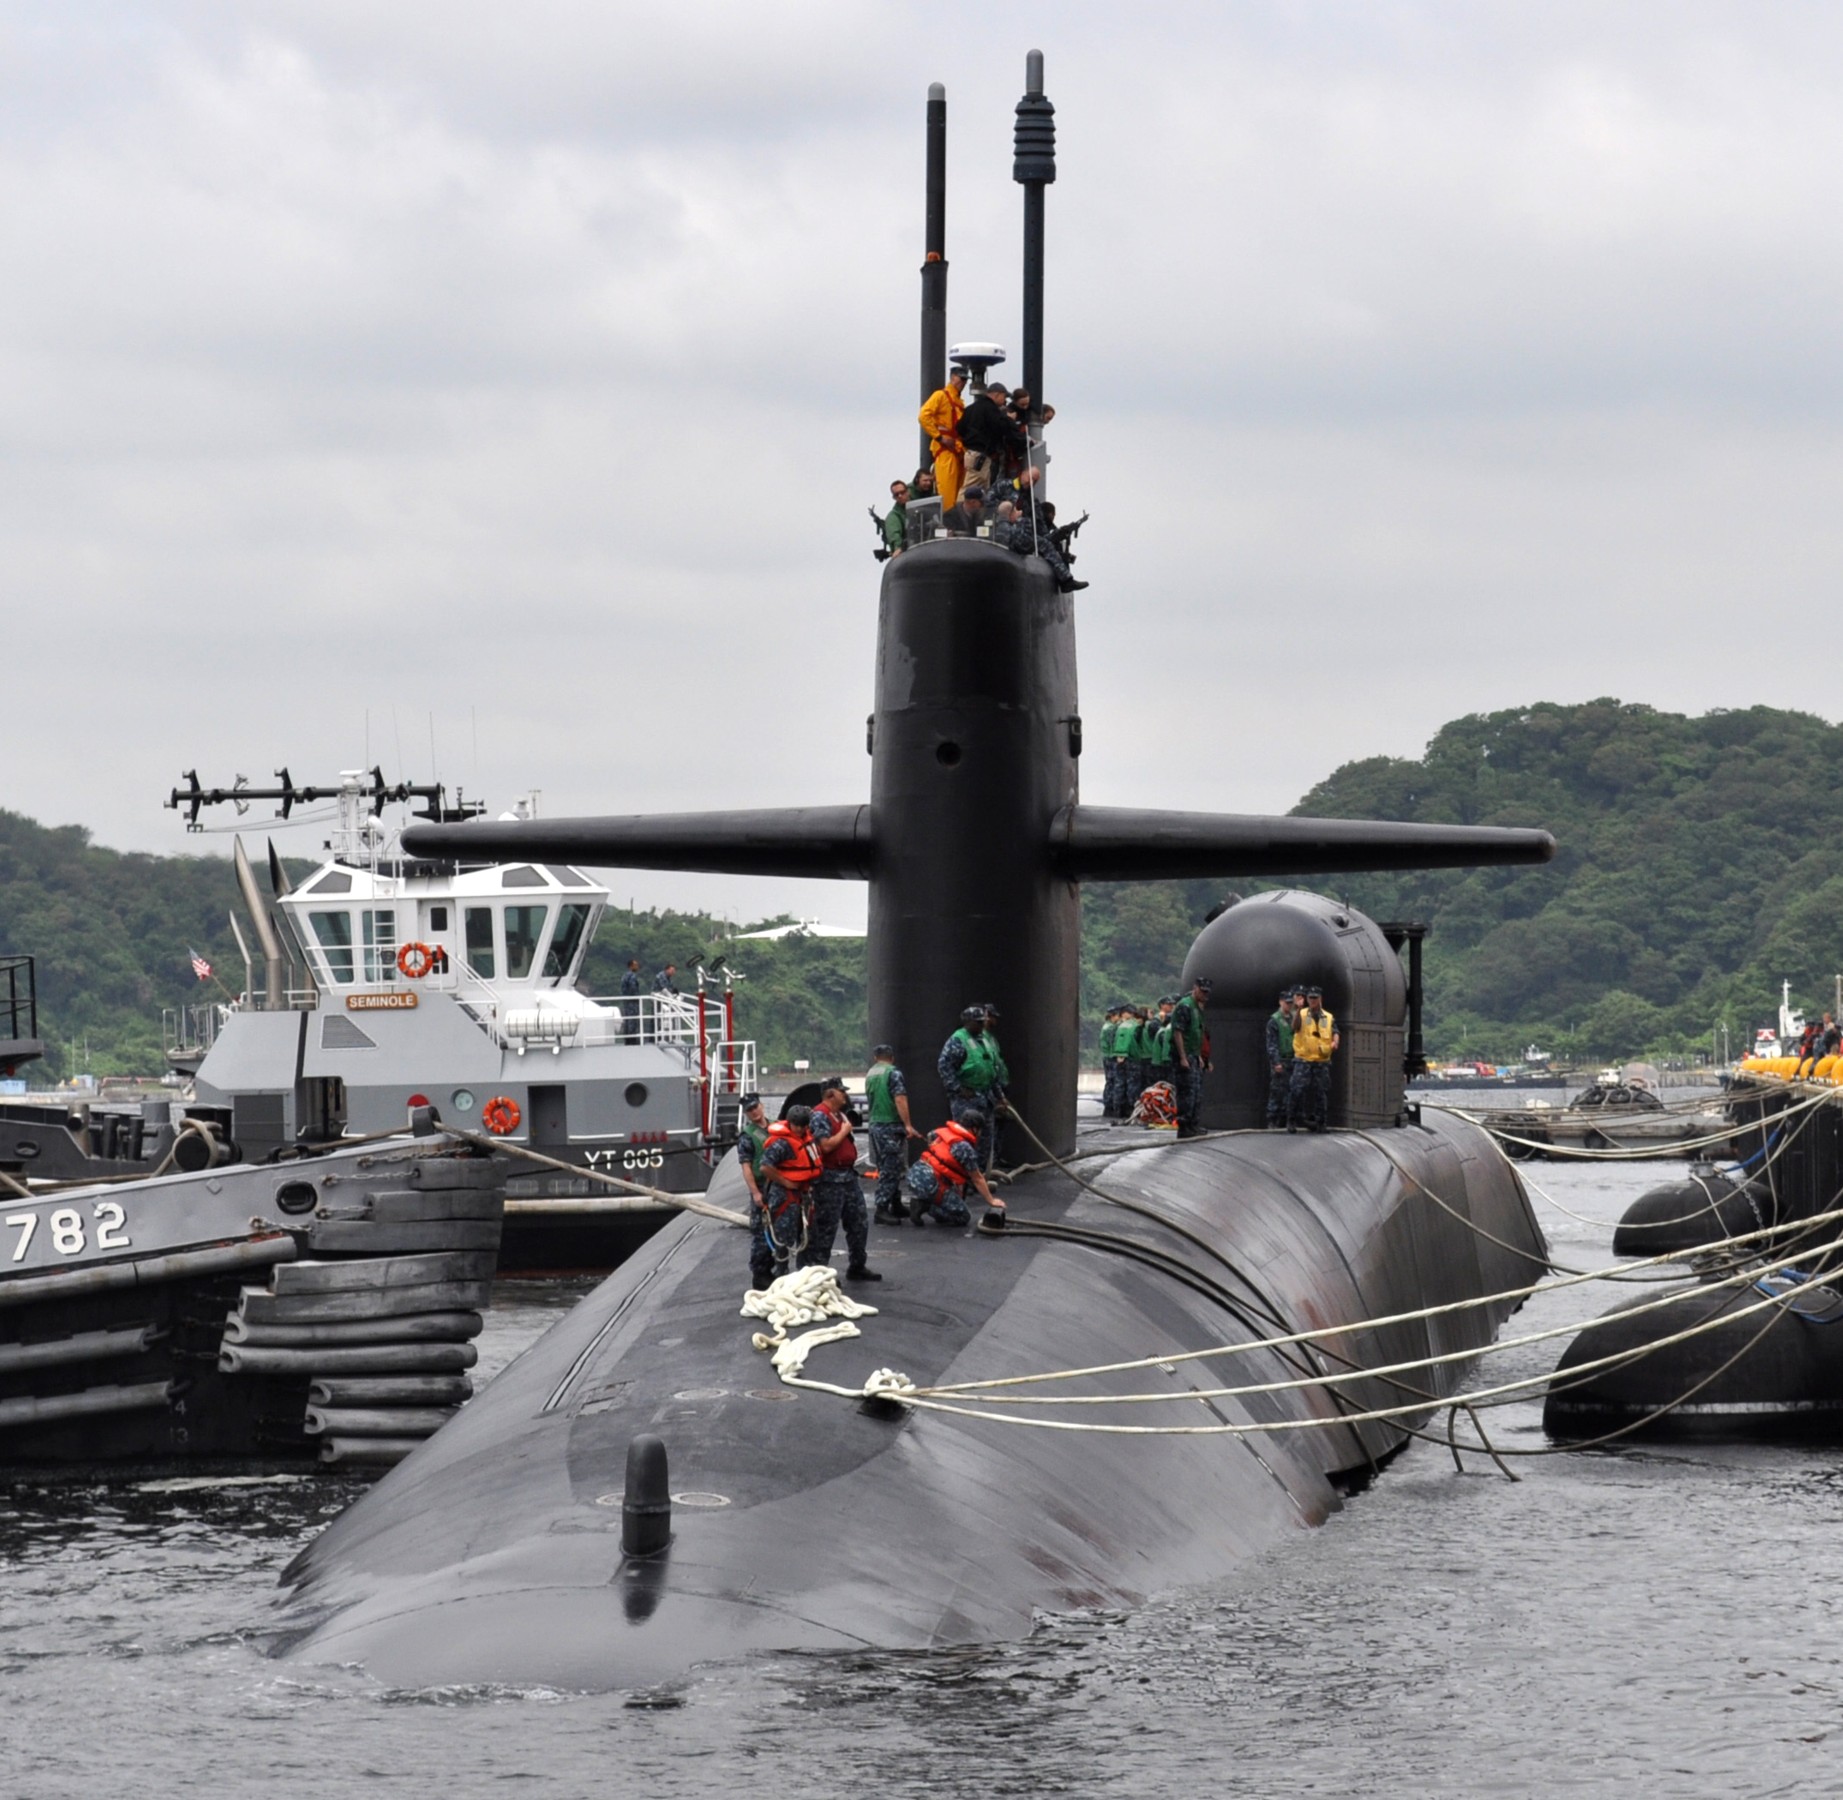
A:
[1110,1064]
[1187,1058]
[891,1131]
[1278,1038]
[946,1168]
[1021,528]
[972,1070]
[785,1173]
[751,1140]
[838,1195]
[1315,1042]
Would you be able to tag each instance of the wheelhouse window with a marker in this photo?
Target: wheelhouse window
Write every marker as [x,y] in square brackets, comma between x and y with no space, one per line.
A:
[566,940]
[524,926]
[333,931]
[380,930]
[479,921]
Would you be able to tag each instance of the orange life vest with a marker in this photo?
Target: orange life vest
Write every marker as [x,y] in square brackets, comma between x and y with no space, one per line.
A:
[799,1169]
[938,1152]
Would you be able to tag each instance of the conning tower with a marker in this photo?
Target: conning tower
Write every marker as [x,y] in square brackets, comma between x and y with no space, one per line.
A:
[974,841]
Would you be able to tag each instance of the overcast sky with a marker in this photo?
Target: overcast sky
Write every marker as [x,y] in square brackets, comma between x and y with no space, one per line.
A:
[518,377]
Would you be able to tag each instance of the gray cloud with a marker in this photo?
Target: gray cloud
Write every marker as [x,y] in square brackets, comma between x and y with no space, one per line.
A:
[530,372]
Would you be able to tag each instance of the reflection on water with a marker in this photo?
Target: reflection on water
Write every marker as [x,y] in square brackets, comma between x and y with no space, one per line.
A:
[1630,1622]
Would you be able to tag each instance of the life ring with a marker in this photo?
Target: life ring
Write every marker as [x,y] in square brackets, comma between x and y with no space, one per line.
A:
[500,1115]
[415,960]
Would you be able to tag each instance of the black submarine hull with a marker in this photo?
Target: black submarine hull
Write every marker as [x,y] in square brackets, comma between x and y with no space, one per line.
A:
[804,1522]
[1752,1369]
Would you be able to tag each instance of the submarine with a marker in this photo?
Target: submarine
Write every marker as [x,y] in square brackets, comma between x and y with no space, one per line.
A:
[1174,1352]
[1749,1347]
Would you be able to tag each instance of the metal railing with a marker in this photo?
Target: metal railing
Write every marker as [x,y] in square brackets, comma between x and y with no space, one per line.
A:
[19,1001]
[188,1031]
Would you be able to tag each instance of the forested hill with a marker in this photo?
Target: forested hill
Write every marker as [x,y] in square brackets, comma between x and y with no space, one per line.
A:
[1700,862]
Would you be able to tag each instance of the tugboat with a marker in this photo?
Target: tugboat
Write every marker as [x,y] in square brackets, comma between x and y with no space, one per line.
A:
[318,1309]
[391,982]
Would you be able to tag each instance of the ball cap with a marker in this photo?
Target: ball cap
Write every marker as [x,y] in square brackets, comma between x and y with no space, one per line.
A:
[972,1012]
[1315,993]
[884,1050]
[750,1102]
[1204,982]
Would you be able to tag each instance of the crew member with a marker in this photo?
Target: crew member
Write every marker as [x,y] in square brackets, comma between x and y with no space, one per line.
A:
[837,1194]
[940,416]
[751,1139]
[666,981]
[1110,1064]
[1134,1046]
[895,526]
[891,1130]
[630,1002]
[1315,1041]
[1188,1058]
[1027,531]
[993,439]
[1158,1053]
[937,1184]
[788,1168]
[972,1070]
[1279,1039]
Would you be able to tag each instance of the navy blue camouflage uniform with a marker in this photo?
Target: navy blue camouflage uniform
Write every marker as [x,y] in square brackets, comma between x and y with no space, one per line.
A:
[1279,1074]
[976,1111]
[775,1243]
[1187,1082]
[927,1189]
[1025,539]
[838,1197]
[889,1148]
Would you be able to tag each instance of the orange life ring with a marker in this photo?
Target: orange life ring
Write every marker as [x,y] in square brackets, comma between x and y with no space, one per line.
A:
[500,1115]
[415,960]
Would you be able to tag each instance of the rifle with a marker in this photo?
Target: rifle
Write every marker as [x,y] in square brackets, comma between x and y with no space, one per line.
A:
[1060,534]
[881,553]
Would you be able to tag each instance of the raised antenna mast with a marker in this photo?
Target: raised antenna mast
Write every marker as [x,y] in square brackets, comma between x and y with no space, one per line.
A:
[934,261]
[1034,168]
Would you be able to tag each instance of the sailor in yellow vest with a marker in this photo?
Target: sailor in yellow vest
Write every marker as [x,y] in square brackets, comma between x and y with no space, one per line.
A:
[1314,1042]
[940,416]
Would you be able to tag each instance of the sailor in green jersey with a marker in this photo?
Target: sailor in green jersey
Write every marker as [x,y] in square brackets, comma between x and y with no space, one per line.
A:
[1278,1037]
[1135,1048]
[1158,1057]
[751,1137]
[1187,1059]
[891,1128]
[972,1070]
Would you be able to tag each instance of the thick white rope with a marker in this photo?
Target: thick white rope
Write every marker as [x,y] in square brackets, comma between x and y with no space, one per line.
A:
[1366,1372]
[920,1398]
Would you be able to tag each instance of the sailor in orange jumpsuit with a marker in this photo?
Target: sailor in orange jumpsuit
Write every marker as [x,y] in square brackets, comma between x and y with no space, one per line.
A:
[941,414]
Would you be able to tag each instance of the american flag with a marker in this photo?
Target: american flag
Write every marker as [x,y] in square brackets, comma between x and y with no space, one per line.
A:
[200,967]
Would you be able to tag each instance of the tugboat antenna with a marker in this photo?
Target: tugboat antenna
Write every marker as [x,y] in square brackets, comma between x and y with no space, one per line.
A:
[192,797]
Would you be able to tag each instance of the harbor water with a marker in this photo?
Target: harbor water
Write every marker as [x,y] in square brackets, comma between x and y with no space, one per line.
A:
[1656,1620]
